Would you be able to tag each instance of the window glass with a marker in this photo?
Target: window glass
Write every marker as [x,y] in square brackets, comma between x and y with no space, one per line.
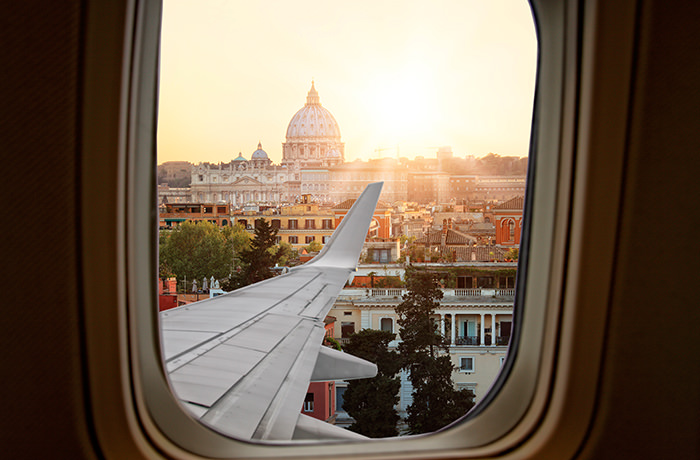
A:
[437,102]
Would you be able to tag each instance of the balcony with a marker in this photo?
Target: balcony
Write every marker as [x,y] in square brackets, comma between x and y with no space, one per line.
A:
[475,341]
[399,293]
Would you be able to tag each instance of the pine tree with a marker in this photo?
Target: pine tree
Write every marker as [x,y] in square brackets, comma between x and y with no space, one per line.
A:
[371,401]
[425,356]
[257,260]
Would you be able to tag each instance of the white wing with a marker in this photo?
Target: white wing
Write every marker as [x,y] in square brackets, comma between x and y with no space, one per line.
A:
[242,362]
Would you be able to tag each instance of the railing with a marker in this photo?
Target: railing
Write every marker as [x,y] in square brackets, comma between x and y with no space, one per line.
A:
[475,340]
[465,292]
[467,340]
[503,340]
[398,293]
[387,292]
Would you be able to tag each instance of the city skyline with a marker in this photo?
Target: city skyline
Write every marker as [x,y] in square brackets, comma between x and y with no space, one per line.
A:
[447,73]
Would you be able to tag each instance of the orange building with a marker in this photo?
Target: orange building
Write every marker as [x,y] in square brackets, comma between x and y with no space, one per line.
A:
[508,221]
[380,227]
[320,397]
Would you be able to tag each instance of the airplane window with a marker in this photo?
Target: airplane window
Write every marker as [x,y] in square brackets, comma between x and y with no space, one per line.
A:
[435,100]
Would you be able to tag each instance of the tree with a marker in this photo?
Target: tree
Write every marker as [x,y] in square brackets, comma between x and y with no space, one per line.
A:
[195,251]
[424,355]
[285,253]
[314,246]
[238,240]
[371,401]
[257,260]
[511,254]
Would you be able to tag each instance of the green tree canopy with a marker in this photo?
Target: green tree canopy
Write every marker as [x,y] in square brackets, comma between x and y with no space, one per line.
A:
[371,401]
[314,246]
[286,254]
[424,355]
[195,251]
[511,254]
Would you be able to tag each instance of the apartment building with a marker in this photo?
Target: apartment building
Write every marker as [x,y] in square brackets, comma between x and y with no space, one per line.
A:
[477,322]
[299,224]
[173,214]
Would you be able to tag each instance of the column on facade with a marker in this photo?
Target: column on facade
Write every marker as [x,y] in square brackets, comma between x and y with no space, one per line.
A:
[493,329]
[483,327]
[453,329]
[442,324]
[365,319]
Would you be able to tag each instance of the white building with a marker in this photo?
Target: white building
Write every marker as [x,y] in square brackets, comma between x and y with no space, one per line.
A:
[476,322]
[312,146]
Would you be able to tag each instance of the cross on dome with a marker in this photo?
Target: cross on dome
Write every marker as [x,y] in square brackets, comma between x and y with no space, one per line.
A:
[312,98]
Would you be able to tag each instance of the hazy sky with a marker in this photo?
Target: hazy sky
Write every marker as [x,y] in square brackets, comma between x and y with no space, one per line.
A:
[417,74]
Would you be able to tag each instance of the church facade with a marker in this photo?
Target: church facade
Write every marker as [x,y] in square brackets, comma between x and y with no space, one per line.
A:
[312,145]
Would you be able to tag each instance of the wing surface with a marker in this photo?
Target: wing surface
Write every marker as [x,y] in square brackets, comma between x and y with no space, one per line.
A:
[242,362]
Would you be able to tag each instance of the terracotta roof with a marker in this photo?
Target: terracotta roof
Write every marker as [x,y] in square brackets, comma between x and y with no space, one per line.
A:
[453,238]
[435,238]
[481,253]
[347,204]
[516,202]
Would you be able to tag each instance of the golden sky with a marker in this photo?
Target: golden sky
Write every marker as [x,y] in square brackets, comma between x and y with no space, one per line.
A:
[417,74]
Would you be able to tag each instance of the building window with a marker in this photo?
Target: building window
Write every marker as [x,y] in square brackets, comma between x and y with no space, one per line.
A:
[325,239]
[276,223]
[309,239]
[243,222]
[386,324]
[310,224]
[466,364]
[309,402]
[292,224]
[339,397]
[381,255]
[469,387]
[347,329]
[347,313]
[293,240]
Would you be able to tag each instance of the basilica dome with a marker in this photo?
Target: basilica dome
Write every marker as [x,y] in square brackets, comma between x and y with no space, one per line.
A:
[259,154]
[313,121]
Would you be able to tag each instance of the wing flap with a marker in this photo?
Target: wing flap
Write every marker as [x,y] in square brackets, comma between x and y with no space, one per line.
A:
[336,365]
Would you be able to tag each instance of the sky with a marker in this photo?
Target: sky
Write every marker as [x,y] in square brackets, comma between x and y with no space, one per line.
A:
[400,77]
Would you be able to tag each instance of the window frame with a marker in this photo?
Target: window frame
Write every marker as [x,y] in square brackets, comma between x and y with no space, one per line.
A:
[465,370]
[131,408]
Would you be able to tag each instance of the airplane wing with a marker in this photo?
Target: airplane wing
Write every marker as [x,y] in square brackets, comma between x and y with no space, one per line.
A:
[242,362]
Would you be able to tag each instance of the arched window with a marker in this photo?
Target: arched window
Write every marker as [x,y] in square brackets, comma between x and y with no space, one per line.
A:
[511,230]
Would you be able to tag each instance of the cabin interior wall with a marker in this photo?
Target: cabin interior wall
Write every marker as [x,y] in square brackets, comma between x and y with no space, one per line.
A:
[42,390]
[650,371]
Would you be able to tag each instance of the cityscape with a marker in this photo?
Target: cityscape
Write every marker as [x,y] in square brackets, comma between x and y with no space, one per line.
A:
[270,128]
[457,219]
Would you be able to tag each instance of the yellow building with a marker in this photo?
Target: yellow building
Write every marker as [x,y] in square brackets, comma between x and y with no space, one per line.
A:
[298,224]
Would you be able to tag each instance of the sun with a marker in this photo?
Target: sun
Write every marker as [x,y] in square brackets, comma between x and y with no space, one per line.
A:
[402,106]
